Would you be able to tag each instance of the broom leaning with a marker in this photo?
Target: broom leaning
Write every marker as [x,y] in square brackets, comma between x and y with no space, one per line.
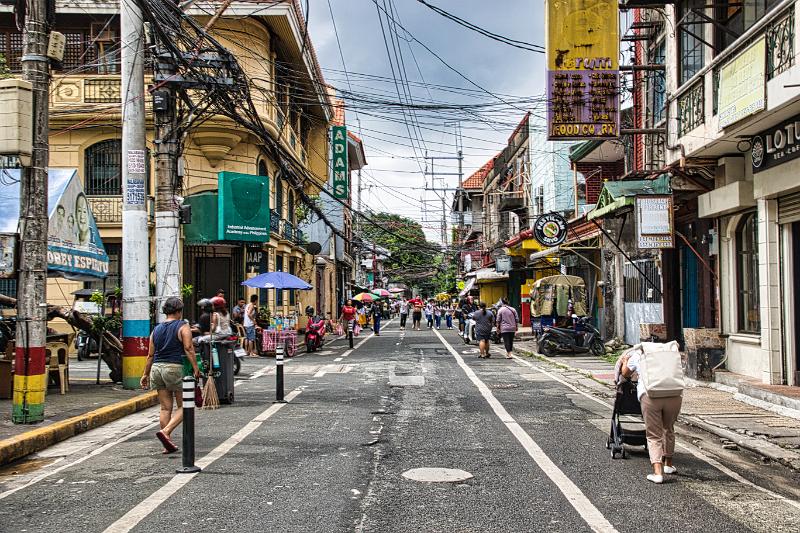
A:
[210,396]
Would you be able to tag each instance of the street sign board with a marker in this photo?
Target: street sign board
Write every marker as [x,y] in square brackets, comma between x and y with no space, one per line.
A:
[502,264]
[339,162]
[582,69]
[654,227]
[742,85]
[243,207]
[550,229]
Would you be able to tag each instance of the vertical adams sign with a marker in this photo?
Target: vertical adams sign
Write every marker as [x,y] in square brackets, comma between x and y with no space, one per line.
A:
[339,166]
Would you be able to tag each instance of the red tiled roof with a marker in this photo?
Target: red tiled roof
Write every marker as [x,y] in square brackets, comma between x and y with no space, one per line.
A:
[475,181]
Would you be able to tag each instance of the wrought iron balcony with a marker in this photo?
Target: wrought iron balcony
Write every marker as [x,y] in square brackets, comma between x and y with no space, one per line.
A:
[107,210]
[288,230]
[691,108]
[780,44]
[274,222]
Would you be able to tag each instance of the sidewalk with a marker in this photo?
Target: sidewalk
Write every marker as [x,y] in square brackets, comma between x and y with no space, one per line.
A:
[86,406]
[722,411]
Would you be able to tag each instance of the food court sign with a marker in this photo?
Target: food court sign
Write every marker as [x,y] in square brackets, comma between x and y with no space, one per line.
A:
[582,69]
[339,163]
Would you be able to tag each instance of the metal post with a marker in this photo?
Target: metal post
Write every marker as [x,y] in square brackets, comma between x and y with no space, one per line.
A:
[102,334]
[135,239]
[30,380]
[279,349]
[187,453]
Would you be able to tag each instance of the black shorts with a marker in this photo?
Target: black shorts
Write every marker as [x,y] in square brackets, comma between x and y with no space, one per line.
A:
[481,337]
[417,317]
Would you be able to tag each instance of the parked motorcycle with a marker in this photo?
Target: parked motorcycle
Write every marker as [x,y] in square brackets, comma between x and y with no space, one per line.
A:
[469,330]
[583,338]
[85,345]
[315,333]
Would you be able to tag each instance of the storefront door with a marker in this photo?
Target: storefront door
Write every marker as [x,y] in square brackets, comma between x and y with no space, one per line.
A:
[795,307]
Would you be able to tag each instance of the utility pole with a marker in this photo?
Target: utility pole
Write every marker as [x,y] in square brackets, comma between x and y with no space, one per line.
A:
[30,381]
[135,241]
[443,189]
[168,277]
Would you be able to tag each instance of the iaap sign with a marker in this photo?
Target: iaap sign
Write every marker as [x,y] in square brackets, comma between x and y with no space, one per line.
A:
[339,162]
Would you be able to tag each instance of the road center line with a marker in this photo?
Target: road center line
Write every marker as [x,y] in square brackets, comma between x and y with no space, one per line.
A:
[689,448]
[133,517]
[590,514]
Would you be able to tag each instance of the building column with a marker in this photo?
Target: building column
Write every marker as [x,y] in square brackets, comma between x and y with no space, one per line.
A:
[769,296]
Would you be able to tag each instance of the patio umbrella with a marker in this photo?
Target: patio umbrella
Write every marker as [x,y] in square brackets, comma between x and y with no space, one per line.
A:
[277,280]
[363,297]
[397,290]
[381,293]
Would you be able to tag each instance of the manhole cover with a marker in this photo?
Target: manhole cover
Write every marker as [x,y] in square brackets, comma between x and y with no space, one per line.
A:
[437,475]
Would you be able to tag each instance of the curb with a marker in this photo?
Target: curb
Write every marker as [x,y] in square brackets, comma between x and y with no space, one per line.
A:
[39,439]
[761,447]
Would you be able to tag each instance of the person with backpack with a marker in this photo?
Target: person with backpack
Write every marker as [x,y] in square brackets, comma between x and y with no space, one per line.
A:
[660,391]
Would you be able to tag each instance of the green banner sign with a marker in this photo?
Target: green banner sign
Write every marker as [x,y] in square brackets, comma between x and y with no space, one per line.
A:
[243,207]
[340,169]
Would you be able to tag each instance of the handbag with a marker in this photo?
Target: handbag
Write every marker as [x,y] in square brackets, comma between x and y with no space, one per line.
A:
[198,396]
[356,329]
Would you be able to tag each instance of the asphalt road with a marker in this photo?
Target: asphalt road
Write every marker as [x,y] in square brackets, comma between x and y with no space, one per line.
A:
[332,459]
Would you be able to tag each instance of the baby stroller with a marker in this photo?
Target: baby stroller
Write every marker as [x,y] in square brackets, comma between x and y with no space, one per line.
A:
[625,403]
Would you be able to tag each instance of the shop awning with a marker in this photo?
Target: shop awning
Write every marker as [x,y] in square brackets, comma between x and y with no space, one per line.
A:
[536,256]
[617,195]
[74,248]
[487,275]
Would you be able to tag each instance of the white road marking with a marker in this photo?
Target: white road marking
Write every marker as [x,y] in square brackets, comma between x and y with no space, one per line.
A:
[691,449]
[133,517]
[590,514]
[337,359]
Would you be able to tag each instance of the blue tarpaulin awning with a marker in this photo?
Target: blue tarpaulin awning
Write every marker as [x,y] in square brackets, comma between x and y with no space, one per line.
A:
[74,247]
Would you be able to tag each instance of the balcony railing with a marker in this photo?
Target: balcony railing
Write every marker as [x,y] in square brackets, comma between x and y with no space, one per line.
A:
[691,108]
[274,222]
[108,209]
[102,90]
[288,230]
[780,44]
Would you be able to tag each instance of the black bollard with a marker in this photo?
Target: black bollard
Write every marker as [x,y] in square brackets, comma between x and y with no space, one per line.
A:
[279,348]
[187,453]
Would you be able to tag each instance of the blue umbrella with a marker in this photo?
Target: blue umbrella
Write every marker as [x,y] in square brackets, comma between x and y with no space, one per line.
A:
[277,280]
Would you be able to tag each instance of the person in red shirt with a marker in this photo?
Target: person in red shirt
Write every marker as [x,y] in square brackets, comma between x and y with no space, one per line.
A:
[348,311]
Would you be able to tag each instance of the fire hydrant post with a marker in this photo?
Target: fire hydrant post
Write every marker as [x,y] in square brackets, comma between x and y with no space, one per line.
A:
[279,349]
[187,453]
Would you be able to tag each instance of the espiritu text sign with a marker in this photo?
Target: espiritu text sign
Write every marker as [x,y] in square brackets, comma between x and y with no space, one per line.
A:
[339,166]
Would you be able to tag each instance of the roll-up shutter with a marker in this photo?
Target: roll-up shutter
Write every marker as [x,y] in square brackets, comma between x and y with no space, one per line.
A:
[789,208]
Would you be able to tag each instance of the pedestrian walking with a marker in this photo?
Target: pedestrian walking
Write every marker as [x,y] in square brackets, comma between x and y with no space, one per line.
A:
[461,316]
[484,321]
[507,320]
[437,315]
[403,308]
[249,323]
[416,317]
[170,342]
[448,315]
[377,313]
[429,313]
[660,392]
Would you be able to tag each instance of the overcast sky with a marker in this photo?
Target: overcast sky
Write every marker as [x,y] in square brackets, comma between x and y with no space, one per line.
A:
[393,170]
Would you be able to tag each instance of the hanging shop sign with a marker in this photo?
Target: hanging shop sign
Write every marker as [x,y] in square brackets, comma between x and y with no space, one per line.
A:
[777,145]
[742,85]
[243,207]
[502,264]
[550,229]
[654,228]
[255,261]
[339,164]
[582,69]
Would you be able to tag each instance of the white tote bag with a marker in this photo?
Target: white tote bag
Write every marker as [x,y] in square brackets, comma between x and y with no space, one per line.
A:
[661,369]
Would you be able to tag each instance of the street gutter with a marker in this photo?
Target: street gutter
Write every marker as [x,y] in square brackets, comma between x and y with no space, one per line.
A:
[761,447]
[38,439]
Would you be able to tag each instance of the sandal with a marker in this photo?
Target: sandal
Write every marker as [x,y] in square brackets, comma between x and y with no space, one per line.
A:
[169,446]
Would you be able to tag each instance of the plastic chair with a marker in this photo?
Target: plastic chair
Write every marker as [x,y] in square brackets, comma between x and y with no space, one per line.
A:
[58,357]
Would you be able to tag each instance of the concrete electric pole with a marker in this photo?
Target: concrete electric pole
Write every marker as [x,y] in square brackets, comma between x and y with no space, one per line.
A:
[30,380]
[135,241]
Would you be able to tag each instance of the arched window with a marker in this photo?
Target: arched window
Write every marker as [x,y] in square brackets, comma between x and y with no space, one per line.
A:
[262,168]
[103,168]
[747,287]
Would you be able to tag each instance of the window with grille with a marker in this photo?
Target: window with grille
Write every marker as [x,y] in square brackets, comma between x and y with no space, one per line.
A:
[278,268]
[8,287]
[103,168]
[691,49]
[293,271]
[114,278]
[642,281]
[11,50]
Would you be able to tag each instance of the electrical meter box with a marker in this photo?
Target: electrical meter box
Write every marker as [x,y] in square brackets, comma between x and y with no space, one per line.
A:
[16,119]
